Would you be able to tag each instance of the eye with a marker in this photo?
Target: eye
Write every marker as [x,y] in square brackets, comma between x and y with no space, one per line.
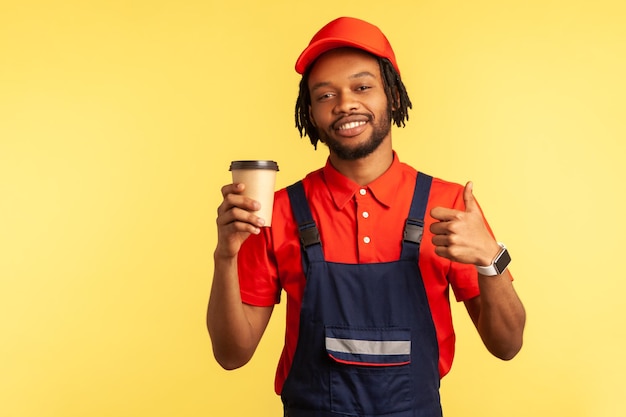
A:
[325,96]
[363,88]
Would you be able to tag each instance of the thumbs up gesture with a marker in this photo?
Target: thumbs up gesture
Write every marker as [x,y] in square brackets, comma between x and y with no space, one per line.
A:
[462,236]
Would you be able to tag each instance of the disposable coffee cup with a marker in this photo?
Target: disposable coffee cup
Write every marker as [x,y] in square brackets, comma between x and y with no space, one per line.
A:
[259,177]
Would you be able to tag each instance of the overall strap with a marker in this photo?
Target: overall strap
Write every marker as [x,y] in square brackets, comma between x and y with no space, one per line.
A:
[414,226]
[310,241]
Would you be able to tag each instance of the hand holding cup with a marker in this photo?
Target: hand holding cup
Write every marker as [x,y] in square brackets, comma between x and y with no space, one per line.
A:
[259,178]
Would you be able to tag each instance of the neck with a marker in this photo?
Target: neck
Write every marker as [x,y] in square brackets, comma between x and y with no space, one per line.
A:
[365,170]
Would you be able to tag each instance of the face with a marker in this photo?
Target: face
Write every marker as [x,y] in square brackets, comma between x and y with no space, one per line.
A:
[348,103]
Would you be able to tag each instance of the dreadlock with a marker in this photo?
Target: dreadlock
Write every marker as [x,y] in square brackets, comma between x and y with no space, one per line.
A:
[397,98]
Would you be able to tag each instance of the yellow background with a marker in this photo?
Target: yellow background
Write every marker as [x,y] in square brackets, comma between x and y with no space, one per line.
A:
[118,120]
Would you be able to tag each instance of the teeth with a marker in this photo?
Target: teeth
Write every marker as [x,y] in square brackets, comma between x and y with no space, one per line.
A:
[351,125]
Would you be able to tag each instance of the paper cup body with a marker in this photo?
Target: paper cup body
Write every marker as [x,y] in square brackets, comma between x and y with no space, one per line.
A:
[259,178]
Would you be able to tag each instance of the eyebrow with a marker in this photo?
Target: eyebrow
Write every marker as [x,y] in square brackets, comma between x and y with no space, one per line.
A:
[352,77]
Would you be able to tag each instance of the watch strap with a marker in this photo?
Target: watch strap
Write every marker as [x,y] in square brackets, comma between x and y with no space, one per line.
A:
[498,265]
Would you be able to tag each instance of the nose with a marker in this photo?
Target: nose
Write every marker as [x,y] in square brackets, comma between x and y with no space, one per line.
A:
[346,102]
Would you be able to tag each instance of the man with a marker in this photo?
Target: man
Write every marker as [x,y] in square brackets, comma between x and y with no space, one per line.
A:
[365,248]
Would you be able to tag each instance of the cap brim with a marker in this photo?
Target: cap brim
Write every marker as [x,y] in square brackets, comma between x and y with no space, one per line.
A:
[314,50]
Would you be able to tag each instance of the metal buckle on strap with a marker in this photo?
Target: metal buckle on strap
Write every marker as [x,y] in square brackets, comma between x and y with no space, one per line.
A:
[413,230]
[309,234]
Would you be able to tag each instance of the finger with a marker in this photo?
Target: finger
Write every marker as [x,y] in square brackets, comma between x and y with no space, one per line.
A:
[439,228]
[443,214]
[442,251]
[237,200]
[244,227]
[236,188]
[440,240]
[468,197]
[239,215]
[235,214]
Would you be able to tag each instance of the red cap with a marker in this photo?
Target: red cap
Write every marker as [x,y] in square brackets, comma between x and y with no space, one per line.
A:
[350,32]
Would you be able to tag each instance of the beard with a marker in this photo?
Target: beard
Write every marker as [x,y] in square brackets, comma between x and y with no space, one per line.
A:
[352,153]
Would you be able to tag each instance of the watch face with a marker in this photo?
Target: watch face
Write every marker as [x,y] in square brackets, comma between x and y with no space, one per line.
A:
[503,261]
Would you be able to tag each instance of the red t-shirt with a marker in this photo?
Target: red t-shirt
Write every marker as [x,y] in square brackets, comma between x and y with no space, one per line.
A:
[357,225]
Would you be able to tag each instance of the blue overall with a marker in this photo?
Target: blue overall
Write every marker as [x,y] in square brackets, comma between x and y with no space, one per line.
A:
[367,344]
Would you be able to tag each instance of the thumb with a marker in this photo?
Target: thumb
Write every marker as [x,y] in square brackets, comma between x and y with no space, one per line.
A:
[468,197]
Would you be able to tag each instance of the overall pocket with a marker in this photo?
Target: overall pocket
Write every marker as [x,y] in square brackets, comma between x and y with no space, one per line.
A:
[370,370]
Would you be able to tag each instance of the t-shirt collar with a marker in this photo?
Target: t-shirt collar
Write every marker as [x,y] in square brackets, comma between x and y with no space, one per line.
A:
[342,189]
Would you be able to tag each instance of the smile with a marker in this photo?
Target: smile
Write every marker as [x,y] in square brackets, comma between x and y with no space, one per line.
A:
[351,125]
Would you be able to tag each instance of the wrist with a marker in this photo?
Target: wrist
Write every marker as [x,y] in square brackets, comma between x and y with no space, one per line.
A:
[498,264]
[489,255]
[224,256]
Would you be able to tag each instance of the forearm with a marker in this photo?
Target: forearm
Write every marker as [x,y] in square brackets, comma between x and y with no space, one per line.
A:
[229,327]
[501,318]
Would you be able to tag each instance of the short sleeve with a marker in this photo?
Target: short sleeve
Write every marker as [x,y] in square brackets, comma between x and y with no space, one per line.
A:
[463,281]
[258,281]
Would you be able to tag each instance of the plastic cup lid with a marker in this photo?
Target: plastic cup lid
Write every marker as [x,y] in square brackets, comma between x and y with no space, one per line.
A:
[256,164]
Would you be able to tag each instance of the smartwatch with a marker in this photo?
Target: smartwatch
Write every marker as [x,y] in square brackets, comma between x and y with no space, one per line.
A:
[498,265]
